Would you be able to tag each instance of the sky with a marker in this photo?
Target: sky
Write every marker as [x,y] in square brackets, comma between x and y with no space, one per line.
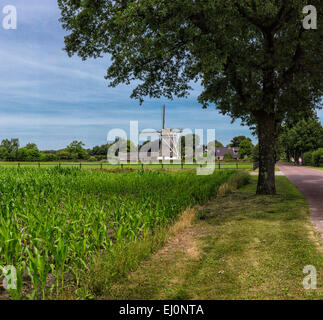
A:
[51,99]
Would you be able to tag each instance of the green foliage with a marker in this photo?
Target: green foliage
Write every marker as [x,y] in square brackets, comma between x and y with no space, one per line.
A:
[48,157]
[233,184]
[9,149]
[62,155]
[228,157]
[100,150]
[125,145]
[235,142]
[75,150]
[31,146]
[188,144]
[218,144]
[55,220]
[131,147]
[306,135]
[28,154]
[317,158]
[246,148]
[307,158]
[167,44]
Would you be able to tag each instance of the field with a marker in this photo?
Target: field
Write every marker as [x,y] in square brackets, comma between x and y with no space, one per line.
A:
[104,165]
[55,221]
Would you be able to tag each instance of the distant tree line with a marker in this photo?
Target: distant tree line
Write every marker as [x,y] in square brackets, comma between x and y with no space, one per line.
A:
[10,150]
[298,139]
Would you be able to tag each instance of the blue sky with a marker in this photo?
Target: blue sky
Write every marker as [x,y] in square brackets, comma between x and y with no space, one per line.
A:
[51,99]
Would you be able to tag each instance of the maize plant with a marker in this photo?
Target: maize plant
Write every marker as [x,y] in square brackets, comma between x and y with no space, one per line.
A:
[52,221]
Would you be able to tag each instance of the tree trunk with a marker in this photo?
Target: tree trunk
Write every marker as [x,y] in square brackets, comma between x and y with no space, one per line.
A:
[267,133]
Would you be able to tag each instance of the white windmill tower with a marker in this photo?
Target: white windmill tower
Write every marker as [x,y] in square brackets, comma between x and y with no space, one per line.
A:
[169,140]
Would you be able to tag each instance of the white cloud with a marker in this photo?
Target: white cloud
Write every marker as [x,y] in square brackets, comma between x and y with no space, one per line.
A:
[23,120]
[46,64]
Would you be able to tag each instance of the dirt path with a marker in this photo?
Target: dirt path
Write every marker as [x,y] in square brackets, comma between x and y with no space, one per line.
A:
[310,183]
[163,276]
[277,173]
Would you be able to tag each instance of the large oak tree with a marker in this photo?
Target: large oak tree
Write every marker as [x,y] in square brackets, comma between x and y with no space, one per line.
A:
[253,58]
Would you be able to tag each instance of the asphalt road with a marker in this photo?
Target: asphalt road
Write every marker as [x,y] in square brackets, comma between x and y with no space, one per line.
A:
[310,183]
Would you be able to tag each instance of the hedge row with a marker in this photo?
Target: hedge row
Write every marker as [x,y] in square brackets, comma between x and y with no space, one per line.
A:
[313,158]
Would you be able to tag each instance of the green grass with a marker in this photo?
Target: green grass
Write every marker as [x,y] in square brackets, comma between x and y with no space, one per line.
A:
[241,246]
[55,222]
[317,168]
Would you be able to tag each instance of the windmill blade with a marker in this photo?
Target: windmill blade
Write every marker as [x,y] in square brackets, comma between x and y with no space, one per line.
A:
[150,132]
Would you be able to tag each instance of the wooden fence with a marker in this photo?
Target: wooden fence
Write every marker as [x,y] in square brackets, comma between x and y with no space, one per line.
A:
[80,165]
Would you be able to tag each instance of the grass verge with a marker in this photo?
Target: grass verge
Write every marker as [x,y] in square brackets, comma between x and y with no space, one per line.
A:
[317,168]
[239,246]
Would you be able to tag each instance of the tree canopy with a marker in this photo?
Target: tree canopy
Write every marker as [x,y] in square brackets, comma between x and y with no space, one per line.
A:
[76,151]
[235,142]
[9,149]
[304,136]
[254,58]
[246,148]
[218,144]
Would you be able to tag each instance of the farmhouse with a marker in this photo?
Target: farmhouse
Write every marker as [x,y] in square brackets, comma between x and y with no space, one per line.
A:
[220,152]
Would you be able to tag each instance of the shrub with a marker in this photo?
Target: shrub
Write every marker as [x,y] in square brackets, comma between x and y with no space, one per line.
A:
[228,156]
[246,148]
[307,158]
[317,157]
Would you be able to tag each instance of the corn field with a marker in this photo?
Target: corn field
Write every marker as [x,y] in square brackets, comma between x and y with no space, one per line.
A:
[53,220]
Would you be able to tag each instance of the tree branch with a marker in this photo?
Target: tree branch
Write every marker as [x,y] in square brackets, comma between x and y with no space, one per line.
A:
[257,22]
[236,82]
[288,74]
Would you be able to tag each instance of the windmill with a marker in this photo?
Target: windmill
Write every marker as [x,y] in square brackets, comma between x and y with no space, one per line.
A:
[169,140]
